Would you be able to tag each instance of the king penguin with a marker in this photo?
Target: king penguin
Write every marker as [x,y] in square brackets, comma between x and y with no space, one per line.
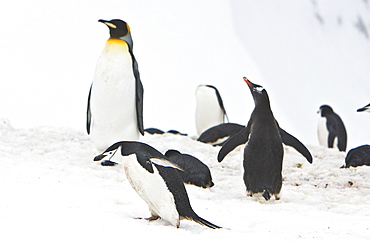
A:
[157,182]
[115,101]
[330,129]
[263,153]
[210,110]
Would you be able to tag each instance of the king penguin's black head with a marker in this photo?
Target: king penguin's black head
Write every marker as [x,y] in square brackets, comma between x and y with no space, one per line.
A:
[258,92]
[117,28]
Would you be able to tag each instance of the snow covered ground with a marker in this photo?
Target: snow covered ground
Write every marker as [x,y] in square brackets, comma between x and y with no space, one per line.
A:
[54,194]
[51,191]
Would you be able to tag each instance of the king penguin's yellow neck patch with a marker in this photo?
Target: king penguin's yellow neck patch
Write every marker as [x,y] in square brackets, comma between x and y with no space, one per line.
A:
[115,41]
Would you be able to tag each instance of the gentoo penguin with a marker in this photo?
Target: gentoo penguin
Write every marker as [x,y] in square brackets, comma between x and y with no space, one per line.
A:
[193,171]
[115,101]
[218,134]
[210,110]
[358,157]
[263,153]
[330,129]
[157,182]
[366,108]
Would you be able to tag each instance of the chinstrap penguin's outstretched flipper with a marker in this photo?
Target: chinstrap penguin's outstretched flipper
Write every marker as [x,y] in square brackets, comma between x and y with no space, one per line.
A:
[157,182]
[115,100]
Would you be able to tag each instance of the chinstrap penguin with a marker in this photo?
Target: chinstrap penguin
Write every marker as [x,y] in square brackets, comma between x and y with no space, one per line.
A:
[193,171]
[330,129]
[156,181]
[263,153]
[115,100]
[366,108]
[210,110]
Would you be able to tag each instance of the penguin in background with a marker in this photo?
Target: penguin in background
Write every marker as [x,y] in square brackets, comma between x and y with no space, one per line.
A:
[115,100]
[157,182]
[263,153]
[210,110]
[330,129]
[218,135]
[366,108]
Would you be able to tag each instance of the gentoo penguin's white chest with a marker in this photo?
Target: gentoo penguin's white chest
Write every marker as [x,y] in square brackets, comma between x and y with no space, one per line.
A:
[152,189]
[208,112]
[112,102]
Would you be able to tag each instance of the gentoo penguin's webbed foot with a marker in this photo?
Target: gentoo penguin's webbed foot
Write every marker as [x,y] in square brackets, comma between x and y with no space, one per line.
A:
[108,163]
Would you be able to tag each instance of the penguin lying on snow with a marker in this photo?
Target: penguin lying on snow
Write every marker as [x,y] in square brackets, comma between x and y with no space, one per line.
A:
[153,131]
[115,101]
[216,134]
[157,182]
[263,153]
[366,108]
[193,171]
[358,157]
[210,110]
[330,129]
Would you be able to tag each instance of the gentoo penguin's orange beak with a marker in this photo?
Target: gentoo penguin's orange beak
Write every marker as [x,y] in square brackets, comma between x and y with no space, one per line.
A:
[247,81]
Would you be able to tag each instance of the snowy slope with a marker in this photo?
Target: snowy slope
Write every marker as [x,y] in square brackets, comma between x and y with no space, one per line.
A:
[54,194]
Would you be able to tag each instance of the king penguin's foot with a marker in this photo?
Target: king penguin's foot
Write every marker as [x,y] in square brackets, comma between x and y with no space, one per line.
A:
[108,163]
[151,218]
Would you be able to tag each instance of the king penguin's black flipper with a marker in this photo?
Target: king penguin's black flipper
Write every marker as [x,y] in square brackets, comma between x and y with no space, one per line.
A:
[139,97]
[238,139]
[290,140]
[88,113]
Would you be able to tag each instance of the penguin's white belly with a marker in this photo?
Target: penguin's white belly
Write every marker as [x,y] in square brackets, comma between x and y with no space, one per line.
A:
[112,102]
[152,189]
[208,112]
[323,133]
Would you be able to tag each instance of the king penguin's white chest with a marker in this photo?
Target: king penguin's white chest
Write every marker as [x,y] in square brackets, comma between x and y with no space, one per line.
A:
[112,101]
[152,189]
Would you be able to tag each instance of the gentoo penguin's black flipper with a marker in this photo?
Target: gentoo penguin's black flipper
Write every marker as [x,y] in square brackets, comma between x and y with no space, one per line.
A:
[88,113]
[238,139]
[290,140]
